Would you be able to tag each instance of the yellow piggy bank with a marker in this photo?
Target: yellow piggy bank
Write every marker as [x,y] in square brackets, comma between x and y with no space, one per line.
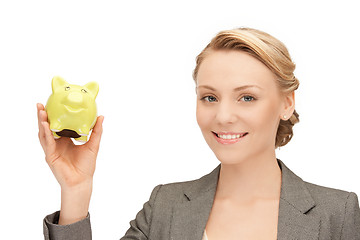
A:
[72,109]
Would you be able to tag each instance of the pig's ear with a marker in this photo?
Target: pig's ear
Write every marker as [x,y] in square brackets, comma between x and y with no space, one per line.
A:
[58,82]
[93,87]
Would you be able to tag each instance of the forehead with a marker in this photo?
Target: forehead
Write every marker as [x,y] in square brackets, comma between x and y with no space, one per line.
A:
[230,68]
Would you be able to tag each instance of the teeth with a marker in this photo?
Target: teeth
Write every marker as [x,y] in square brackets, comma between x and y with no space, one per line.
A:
[230,136]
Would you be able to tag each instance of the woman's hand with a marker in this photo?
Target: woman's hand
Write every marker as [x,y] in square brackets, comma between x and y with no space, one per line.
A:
[72,165]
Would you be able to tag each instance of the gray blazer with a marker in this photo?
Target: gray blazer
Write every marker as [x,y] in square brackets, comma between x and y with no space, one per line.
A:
[179,211]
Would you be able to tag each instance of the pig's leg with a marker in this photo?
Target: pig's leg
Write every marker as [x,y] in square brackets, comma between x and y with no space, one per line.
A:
[81,139]
[55,135]
[55,126]
[84,131]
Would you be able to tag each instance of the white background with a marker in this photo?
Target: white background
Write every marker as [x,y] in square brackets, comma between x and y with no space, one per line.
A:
[142,54]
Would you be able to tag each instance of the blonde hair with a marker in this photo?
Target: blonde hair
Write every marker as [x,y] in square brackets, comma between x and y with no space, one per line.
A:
[269,51]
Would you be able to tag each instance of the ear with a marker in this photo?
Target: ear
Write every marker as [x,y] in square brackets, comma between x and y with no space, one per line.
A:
[93,87]
[289,105]
[57,82]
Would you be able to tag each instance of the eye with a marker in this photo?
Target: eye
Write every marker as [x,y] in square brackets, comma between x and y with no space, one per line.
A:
[248,98]
[83,90]
[209,98]
[67,88]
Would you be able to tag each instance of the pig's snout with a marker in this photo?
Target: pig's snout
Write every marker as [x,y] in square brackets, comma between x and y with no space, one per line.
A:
[75,102]
[75,98]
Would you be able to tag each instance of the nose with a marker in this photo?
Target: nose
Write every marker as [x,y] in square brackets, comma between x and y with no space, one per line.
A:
[226,113]
[75,98]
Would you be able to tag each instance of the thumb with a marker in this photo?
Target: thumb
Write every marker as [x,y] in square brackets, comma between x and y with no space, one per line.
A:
[94,141]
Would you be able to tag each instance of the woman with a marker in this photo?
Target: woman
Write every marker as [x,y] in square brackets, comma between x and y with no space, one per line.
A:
[245,109]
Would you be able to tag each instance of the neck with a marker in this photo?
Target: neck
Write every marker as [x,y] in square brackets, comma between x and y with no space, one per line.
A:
[258,178]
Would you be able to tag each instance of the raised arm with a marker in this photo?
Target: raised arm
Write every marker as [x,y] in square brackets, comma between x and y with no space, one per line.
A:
[73,167]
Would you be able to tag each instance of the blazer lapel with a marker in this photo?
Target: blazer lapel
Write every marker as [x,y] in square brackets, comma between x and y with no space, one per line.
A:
[190,217]
[294,222]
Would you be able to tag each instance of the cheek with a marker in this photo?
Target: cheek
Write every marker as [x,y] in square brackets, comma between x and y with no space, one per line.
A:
[203,117]
[266,117]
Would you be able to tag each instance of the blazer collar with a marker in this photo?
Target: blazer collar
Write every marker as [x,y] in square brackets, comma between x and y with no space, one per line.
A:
[190,217]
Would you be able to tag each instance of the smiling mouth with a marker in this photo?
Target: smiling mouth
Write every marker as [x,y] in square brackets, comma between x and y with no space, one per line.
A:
[73,109]
[230,136]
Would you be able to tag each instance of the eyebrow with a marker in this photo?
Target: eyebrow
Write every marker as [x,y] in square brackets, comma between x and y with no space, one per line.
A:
[235,89]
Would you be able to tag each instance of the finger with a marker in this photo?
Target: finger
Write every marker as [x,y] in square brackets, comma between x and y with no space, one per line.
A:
[49,141]
[96,134]
[41,134]
[42,118]
[39,107]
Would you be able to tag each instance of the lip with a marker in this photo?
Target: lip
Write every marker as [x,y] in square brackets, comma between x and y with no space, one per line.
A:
[229,133]
[72,109]
[229,141]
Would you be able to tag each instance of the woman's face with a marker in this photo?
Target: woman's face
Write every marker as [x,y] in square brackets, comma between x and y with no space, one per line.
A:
[238,98]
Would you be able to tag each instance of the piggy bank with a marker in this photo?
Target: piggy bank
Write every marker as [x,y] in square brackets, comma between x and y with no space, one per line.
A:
[71,109]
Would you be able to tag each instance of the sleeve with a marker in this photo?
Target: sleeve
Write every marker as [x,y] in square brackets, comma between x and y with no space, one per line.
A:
[351,224]
[140,226]
[80,230]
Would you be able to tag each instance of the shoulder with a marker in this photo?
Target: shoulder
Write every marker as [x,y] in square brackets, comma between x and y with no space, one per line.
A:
[178,192]
[332,199]
[336,210]
[337,207]
[320,199]
[174,191]
[165,197]
[327,195]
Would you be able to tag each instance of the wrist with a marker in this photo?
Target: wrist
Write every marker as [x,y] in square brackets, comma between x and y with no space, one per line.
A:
[75,203]
[84,185]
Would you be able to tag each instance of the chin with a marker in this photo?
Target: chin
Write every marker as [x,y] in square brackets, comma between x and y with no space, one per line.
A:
[229,158]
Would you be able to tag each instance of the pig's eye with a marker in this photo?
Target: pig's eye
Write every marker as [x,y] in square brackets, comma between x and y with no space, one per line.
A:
[83,90]
[67,88]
